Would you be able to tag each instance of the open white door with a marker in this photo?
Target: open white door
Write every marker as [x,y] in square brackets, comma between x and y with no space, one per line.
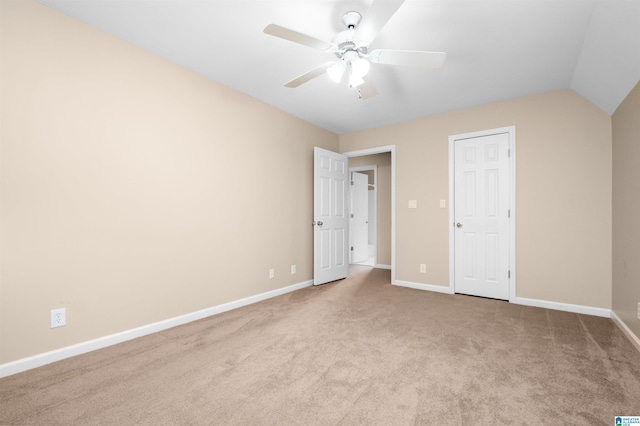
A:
[359,217]
[331,218]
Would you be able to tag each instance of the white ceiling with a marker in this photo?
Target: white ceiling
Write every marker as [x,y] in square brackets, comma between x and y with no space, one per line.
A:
[496,50]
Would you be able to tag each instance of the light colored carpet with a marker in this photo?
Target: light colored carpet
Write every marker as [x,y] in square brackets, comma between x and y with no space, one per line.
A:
[358,351]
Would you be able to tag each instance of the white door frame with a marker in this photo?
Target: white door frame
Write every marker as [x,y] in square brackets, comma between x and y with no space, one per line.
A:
[373,167]
[381,150]
[511,131]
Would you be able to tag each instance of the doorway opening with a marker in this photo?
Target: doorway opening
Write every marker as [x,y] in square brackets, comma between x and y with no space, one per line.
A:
[363,229]
[381,239]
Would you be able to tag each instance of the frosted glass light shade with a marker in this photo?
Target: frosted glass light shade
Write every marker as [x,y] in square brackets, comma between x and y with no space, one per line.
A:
[360,67]
[336,71]
[355,80]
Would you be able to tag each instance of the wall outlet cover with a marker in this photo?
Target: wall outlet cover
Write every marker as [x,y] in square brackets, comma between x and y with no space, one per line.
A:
[58,317]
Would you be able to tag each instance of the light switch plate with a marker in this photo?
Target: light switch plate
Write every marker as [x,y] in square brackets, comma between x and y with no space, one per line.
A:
[413,204]
[443,204]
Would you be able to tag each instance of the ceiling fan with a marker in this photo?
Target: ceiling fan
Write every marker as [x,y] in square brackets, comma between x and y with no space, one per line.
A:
[352,48]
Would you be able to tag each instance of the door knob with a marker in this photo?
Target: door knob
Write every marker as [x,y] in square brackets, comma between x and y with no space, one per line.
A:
[320,223]
[459,225]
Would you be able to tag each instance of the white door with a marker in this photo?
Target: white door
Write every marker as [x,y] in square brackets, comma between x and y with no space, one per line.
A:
[481,216]
[331,221]
[359,217]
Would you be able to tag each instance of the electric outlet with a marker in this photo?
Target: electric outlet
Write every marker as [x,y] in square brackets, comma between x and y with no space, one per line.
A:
[639,310]
[58,317]
[423,268]
[293,269]
[272,273]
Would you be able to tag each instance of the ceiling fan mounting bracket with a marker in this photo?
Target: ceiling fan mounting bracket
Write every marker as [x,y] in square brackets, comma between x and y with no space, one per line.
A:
[351,19]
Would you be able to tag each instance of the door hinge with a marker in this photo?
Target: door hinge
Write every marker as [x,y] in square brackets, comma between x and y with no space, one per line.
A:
[351,215]
[352,182]
[509,213]
[351,248]
[508,274]
[509,152]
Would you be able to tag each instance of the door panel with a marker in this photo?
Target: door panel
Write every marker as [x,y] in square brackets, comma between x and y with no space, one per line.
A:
[359,217]
[481,212]
[331,232]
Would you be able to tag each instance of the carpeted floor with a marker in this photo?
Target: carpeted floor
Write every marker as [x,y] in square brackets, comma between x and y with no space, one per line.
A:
[355,352]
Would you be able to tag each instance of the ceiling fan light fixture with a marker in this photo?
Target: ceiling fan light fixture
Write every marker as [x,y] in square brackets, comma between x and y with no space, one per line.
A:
[355,80]
[360,67]
[336,71]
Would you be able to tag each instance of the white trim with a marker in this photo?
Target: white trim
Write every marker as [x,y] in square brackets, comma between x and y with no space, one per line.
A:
[382,150]
[24,364]
[578,309]
[452,218]
[558,306]
[426,287]
[511,131]
[635,340]
[545,304]
[381,266]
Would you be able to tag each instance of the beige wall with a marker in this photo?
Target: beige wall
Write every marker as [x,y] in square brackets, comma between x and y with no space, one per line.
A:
[134,190]
[626,204]
[383,201]
[121,190]
[563,198]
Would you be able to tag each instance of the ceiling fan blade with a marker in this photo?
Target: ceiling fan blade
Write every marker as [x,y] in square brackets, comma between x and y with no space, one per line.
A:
[375,18]
[415,58]
[367,90]
[316,72]
[296,37]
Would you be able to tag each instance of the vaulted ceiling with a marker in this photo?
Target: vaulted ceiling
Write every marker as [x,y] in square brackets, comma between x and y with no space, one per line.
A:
[496,50]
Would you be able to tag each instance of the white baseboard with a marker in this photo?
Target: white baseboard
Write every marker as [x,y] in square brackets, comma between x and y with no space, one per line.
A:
[24,364]
[381,266]
[579,309]
[635,340]
[558,306]
[427,287]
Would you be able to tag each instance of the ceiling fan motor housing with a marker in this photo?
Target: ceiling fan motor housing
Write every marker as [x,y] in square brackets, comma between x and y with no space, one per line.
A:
[344,42]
